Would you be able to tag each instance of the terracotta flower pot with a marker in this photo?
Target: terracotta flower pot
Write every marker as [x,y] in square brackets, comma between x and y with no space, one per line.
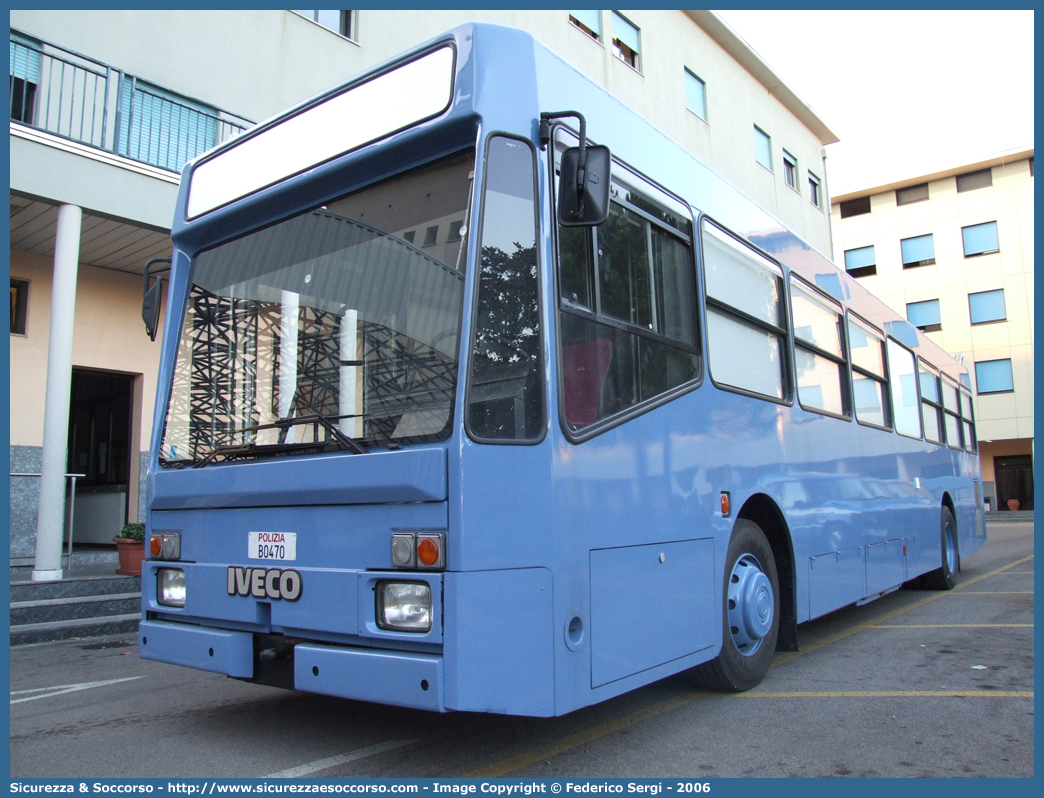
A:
[131,553]
[1014,504]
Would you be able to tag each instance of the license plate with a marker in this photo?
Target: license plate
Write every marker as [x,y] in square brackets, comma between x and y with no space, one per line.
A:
[272,546]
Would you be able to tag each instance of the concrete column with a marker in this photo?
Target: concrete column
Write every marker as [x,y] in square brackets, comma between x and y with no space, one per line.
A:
[349,339]
[50,525]
[289,322]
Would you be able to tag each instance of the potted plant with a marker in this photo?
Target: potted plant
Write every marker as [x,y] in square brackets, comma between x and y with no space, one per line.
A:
[1014,505]
[130,545]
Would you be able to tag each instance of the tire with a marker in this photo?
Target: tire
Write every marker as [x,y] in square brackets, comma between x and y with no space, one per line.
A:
[750,591]
[945,577]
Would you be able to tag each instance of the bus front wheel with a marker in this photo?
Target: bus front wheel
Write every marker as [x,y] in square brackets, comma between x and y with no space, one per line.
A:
[750,614]
[945,577]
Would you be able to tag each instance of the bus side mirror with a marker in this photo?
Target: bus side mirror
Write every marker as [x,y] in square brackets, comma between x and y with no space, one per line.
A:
[150,303]
[150,308]
[583,188]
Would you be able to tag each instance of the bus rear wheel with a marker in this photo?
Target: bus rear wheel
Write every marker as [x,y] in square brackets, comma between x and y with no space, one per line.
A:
[750,614]
[945,577]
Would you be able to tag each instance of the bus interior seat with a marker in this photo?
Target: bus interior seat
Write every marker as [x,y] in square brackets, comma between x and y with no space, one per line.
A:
[584,367]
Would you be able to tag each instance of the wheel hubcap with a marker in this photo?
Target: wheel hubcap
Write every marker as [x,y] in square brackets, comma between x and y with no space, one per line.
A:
[751,604]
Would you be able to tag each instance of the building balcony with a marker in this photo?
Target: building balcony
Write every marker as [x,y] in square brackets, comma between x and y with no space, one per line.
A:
[81,99]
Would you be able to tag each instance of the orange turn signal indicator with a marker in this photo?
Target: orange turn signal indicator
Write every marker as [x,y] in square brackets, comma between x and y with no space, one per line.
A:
[726,505]
[155,545]
[428,551]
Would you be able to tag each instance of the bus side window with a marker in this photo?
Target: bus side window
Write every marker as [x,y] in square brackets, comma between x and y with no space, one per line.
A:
[506,387]
[746,323]
[969,420]
[868,375]
[903,384]
[627,320]
[931,403]
[819,352]
[952,408]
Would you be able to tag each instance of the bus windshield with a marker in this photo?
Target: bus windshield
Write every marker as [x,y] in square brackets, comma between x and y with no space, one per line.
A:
[336,329]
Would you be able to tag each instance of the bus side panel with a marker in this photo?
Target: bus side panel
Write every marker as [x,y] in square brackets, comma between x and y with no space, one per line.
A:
[505,512]
[636,596]
[499,642]
[835,580]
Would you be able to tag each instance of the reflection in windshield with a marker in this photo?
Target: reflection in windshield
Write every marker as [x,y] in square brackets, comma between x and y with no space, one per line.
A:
[349,313]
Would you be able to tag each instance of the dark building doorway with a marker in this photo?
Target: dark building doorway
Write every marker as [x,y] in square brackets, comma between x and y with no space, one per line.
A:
[1014,478]
[99,448]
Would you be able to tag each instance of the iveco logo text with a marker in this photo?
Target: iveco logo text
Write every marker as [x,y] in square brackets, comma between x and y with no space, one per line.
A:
[264,583]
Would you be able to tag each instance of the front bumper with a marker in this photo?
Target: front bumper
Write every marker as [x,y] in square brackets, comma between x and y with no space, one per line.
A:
[362,674]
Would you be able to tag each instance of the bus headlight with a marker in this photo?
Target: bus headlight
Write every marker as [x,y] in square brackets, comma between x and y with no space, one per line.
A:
[170,587]
[404,606]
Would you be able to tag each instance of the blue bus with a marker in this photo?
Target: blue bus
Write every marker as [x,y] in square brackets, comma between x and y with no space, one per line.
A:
[459,411]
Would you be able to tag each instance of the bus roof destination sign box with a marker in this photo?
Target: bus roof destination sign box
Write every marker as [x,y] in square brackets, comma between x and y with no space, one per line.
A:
[395,100]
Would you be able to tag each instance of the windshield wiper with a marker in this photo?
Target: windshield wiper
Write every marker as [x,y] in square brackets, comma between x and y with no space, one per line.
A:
[320,420]
[242,451]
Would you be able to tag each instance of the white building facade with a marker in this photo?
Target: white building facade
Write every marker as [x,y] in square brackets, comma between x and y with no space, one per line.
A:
[953,252]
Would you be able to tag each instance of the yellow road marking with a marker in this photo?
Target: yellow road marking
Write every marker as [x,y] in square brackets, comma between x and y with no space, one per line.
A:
[580,738]
[893,694]
[952,626]
[995,592]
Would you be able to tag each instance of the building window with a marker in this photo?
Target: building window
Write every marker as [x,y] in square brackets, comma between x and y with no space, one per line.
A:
[590,22]
[762,148]
[695,95]
[987,306]
[918,251]
[911,194]
[338,21]
[994,376]
[431,236]
[980,239]
[626,41]
[25,77]
[455,231]
[856,207]
[815,190]
[925,316]
[790,170]
[973,180]
[19,305]
[861,262]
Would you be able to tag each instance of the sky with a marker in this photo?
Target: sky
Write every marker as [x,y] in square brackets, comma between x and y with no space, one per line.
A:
[907,92]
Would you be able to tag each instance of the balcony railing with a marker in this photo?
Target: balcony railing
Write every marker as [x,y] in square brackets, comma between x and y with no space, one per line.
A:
[82,99]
